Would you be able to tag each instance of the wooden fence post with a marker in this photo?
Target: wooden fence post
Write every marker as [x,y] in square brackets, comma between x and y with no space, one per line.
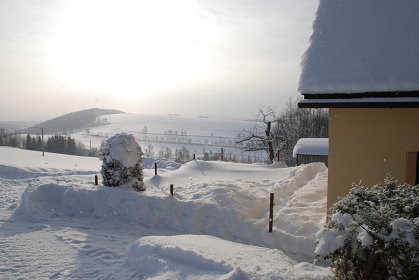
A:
[171,189]
[271,210]
[96,182]
[155,168]
[222,153]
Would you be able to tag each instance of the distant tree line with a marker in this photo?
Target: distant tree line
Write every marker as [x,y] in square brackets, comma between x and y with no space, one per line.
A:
[54,144]
[33,143]
[183,155]
[295,123]
[11,139]
[176,137]
[64,145]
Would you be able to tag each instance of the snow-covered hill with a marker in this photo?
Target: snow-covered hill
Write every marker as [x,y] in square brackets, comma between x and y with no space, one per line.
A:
[198,135]
[56,224]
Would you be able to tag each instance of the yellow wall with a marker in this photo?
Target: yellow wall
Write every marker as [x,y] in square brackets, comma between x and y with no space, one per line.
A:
[366,144]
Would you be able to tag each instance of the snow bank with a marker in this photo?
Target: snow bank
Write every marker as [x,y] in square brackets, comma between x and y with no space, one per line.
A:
[226,200]
[206,257]
[19,164]
[212,200]
[162,163]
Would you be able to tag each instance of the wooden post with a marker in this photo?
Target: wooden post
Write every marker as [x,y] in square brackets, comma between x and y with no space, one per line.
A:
[194,156]
[96,182]
[42,144]
[222,153]
[271,211]
[171,189]
[155,168]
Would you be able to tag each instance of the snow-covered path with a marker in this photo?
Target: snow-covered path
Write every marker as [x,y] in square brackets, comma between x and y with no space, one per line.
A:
[62,247]
[55,224]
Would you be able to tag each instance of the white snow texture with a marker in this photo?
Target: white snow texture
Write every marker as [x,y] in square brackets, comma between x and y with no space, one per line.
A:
[362,46]
[311,146]
[56,224]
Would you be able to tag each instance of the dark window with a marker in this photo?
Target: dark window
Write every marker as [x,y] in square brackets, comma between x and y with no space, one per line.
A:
[412,168]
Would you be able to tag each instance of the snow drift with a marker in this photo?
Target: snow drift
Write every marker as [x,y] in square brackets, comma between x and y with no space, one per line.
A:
[218,213]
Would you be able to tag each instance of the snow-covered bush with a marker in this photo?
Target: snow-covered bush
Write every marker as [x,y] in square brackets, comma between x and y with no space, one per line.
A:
[121,162]
[373,231]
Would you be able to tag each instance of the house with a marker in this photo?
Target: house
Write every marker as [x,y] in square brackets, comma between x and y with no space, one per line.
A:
[309,150]
[363,64]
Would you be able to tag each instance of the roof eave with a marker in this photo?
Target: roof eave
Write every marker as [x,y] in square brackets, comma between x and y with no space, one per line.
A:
[371,94]
[394,99]
[328,103]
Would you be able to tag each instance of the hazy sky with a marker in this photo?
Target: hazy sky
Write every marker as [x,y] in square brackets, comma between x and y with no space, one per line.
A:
[190,57]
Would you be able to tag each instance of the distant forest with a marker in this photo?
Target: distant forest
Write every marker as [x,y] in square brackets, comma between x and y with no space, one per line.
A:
[54,144]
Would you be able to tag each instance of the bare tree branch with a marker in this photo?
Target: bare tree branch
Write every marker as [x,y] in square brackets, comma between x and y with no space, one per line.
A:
[261,138]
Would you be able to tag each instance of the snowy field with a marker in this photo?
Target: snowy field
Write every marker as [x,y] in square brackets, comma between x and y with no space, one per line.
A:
[161,125]
[198,135]
[56,224]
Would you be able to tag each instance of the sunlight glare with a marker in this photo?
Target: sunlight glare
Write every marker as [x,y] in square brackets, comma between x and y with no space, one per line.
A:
[132,47]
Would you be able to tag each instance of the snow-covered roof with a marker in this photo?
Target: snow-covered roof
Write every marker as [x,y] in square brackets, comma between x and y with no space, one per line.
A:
[362,46]
[311,146]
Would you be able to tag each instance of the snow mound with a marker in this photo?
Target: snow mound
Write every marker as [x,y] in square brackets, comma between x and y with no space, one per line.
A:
[162,163]
[233,209]
[206,257]
[20,164]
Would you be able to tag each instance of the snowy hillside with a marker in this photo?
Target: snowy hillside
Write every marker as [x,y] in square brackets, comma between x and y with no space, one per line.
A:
[198,135]
[56,224]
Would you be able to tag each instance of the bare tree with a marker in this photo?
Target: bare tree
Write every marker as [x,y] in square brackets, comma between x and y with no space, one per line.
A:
[261,137]
[149,151]
[294,123]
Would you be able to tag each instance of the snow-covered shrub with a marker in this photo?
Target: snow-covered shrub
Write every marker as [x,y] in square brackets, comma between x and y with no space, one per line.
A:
[121,162]
[373,229]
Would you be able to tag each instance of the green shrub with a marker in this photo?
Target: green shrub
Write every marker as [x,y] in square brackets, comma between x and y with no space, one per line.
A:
[373,228]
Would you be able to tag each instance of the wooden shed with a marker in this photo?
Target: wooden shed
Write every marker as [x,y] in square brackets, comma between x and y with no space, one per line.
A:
[308,150]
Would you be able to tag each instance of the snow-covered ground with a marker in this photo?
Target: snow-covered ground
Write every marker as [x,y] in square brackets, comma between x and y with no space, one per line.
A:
[56,224]
[166,129]
[198,135]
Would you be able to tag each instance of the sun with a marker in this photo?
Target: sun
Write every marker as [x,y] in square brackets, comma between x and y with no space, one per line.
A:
[131,47]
